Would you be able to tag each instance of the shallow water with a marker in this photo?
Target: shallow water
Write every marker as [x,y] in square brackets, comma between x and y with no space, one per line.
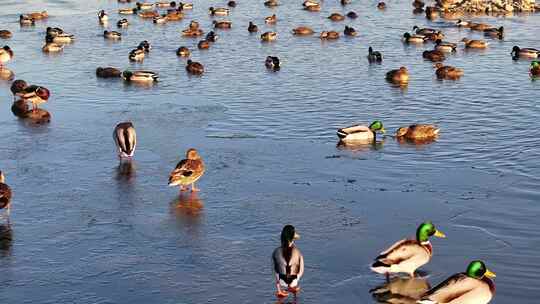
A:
[84,232]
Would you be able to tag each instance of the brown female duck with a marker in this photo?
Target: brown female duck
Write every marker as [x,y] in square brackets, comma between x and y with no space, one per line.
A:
[187,171]
[195,68]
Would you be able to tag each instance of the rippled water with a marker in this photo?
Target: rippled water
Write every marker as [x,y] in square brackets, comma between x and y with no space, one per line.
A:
[84,232]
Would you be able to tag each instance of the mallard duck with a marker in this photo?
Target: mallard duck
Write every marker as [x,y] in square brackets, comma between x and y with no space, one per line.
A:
[329,35]
[462,23]
[479,26]
[252,28]
[20,108]
[192,33]
[125,138]
[193,25]
[399,76]
[473,286]
[495,32]
[203,45]
[108,72]
[144,5]
[518,52]
[345,2]
[444,46]
[381,5]
[447,72]
[434,36]
[174,16]
[271,19]
[36,95]
[103,17]
[148,14]
[54,31]
[195,68]
[165,4]
[407,255]
[535,69]
[400,290]
[187,171]
[418,4]
[52,47]
[185,6]
[302,31]
[137,54]
[218,11]
[39,15]
[269,36]
[271,3]
[432,12]
[25,20]
[211,37]
[231,3]
[424,31]
[336,17]
[313,8]
[183,52]
[475,44]
[307,3]
[352,15]
[434,55]
[63,38]
[6,54]
[272,62]
[408,38]
[112,35]
[122,23]
[5,34]
[222,24]
[5,195]
[160,19]
[6,74]
[17,88]
[145,45]
[288,263]
[374,56]
[127,11]
[349,31]
[360,133]
[418,131]
[140,76]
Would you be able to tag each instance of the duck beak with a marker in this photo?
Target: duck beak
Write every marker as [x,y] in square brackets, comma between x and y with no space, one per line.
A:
[439,234]
[296,236]
[490,274]
[383,130]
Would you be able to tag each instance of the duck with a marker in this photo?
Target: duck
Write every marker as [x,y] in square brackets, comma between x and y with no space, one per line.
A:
[211,37]
[252,27]
[193,30]
[349,31]
[407,255]
[20,108]
[329,35]
[187,171]
[194,25]
[475,44]
[418,4]
[474,286]
[5,195]
[352,15]
[195,68]
[140,76]
[183,52]
[408,38]
[518,52]
[36,95]
[54,31]
[302,31]
[39,15]
[222,24]
[444,46]
[52,47]
[399,76]
[269,36]
[112,35]
[418,132]
[432,12]
[25,20]
[63,38]
[103,17]
[231,3]
[381,5]
[185,6]
[535,69]
[136,54]
[447,72]
[6,74]
[313,8]
[479,26]
[218,11]
[5,34]
[361,133]
[174,16]
[148,14]
[271,19]
[165,4]
[108,72]
[145,45]
[17,88]
[160,19]
[374,56]
[434,55]
[203,45]
[122,23]
[271,3]
[125,139]
[308,3]
[495,32]
[127,11]
[424,31]
[288,263]
[345,2]
[144,5]
[434,36]
[272,62]
[336,17]
[6,54]
[463,23]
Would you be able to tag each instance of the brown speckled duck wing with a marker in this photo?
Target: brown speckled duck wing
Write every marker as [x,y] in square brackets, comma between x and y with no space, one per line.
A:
[5,195]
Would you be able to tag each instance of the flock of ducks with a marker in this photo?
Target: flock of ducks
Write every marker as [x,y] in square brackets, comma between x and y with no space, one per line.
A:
[405,256]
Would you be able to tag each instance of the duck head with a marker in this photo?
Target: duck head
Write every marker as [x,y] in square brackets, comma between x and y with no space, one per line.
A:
[288,236]
[192,153]
[478,270]
[427,230]
[377,126]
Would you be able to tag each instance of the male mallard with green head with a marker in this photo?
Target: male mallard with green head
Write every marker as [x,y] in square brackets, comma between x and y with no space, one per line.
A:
[360,132]
[288,263]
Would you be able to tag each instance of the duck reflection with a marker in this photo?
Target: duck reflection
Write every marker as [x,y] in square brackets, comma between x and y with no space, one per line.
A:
[400,290]
[415,142]
[360,146]
[6,239]
[126,170]
[187,208]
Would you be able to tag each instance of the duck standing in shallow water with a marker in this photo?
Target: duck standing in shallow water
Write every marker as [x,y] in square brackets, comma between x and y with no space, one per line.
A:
[125,138]
[288,263]
[5,195]
[471,287]
[407,255]
[360,133]
[6,54]
[187,171]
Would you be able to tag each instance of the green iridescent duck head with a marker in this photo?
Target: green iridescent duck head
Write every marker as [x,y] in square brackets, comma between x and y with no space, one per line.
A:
[377,126]
[478,270]
[426,230]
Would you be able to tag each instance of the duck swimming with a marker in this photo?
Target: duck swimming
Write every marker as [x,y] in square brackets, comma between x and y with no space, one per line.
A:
[125,139]
[302,31]
[434,55]
[418,132]
[5,195]
[219,11]
[108,72]
[336,17]
[381,5]
[349,31]
[272,63]
[447,72]
[535,69]
[127,11]
[329,35]
[252,28]
[203,45]
[145,45]
[5,34]
[352,15]
[269,36]
[495,32]
[148,14]
[447,47]
[140,76]
[288,263]
[6,54]
[103,17]
[271,3]
[408,38]
[39,15]
[122,23]
[407,255]
[195,68]
[112,35]
[360,133]
[52,47]
[475,44]
[137,55]
[187,171]
[63,38]
[25,20]
[211,37]
[183,52]
[17,88]
[374,56]
[399,76]
[6,74]
[518,52]
[474,286]
[222,24]
[35,94]
[271,19]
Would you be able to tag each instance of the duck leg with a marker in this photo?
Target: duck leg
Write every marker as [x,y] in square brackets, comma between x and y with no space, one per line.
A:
[183,188]
[194,189]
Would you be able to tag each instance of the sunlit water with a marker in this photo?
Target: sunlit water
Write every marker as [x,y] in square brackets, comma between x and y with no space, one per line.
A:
[83,232]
